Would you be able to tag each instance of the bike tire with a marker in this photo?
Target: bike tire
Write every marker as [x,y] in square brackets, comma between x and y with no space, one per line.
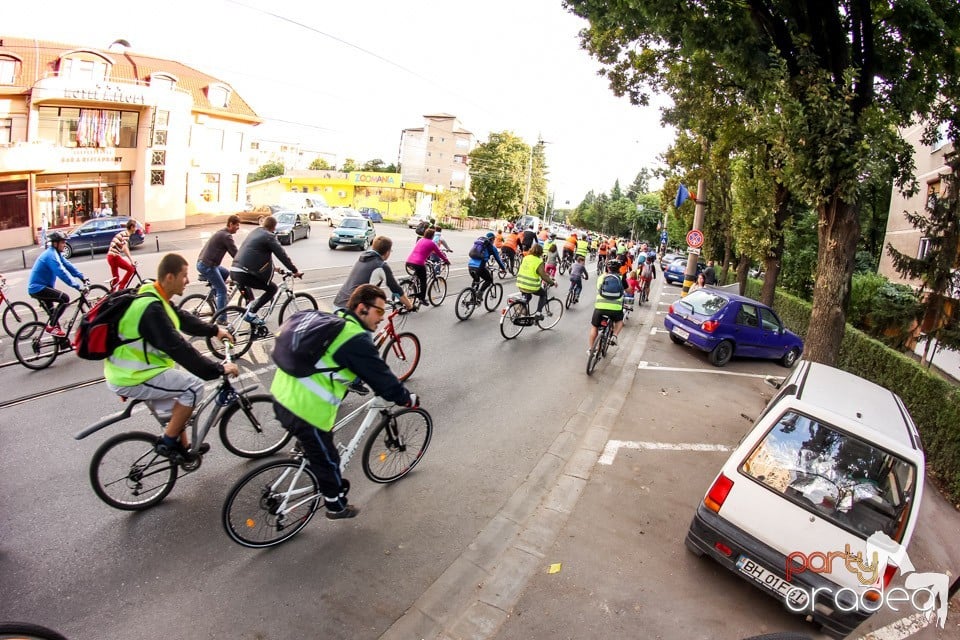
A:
[241,330]
[402,355]
[110,468]
[605,341]
[246,514]
[94,293]
[198,305]
[16,315]
[493,296]
[592,359]
[250,429]
[27,631]
[396,445]
[508,328]
[465,304]
[564,265]
[437,291]
[299,302]
[570,298]
[34,348]
[552,312]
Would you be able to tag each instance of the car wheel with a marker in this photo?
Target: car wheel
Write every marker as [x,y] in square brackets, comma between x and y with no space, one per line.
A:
[790,358]
[331,245]
[67,251]
[307,235]
[721,354]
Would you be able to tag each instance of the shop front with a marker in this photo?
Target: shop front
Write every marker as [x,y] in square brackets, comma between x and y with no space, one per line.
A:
[67,199]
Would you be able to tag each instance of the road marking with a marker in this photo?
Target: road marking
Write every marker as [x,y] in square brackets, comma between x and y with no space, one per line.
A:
[648,365]
[903,628]
[610,451]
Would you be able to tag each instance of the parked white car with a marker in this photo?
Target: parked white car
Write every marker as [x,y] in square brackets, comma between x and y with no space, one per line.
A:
[337,214]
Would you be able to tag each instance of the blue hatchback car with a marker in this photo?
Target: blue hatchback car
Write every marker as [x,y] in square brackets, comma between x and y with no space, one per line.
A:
[726,325]
[675,271]
[97,233]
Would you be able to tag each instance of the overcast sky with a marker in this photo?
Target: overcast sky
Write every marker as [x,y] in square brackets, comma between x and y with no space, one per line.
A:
[352,74]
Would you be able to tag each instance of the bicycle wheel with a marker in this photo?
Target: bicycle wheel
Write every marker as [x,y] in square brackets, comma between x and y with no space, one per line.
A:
[299,302]
[592,359]
[605,340]
[16,315]
[564,265]
[571,296]
[509,329]
[128,474]
[466,303]
[242,331]
[493,296]
[402,355]
[437,291]
[27,631]
[198,305]
[251,514]
[249,428]
[94,293]
[396,445]
[34,348]
[552,312]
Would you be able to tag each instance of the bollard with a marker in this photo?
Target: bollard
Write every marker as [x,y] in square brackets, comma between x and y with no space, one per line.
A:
[91,251]
[23,255]
[157,238]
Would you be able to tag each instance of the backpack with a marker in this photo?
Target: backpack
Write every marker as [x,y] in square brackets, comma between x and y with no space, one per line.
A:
[99,332]
[478,250]
[611,287]
[647,271]
[303,339]
[422,227]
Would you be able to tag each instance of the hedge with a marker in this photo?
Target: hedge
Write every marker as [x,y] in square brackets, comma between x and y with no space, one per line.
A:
[933,402]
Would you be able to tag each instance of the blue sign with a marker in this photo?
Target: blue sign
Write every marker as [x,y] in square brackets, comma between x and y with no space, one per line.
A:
[663,236]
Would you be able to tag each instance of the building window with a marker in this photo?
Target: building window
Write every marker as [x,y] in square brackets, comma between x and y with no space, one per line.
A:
[158,158]
[73,127]
[431,138]
[218,95]
[211,191]
[157,176]
[255,146]
[463,142]
[13,205]
[941,137]
[162,81]
[923,249]
[933,193]
[6,130]
[77,69]
[162,120]
[234,142]
[8,70]
[213,139]
[235,186]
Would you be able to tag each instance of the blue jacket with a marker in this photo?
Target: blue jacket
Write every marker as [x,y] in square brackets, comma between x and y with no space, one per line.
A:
[50,266]
[488,250]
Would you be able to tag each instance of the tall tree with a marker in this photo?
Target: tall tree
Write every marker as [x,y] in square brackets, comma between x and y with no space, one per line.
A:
[841,78]
[320,164]
[498,176]
[372,165]
[640,185]
[349,165]
[268,170]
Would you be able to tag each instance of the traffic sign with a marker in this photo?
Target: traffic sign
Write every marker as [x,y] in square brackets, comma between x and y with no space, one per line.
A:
[695,238]
[694,250]
[663,236]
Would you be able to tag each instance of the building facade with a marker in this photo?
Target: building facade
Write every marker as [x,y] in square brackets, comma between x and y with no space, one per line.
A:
[381,191]
[436,154]
[86,132]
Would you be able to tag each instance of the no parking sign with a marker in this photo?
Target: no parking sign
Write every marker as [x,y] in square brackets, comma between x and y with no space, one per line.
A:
[695,238]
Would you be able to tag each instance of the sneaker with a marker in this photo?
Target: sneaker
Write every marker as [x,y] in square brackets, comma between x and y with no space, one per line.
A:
[348,511]
[252,318]
[589,352]
[613,341]
[55,331]
[178,451]
[425,303]
[538,316]
[358,387]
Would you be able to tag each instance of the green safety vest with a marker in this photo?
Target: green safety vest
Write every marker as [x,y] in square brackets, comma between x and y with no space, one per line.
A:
[135,363]
[605,304]
[582,248]
[528,280]
[316,398]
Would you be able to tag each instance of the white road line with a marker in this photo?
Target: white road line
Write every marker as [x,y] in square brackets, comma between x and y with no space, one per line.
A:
[646,365]
[903,628]
[610,451]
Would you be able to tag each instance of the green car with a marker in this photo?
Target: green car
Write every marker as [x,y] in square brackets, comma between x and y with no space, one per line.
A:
[352,232]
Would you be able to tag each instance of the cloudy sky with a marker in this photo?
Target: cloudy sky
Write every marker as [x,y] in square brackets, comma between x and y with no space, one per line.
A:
[347,77]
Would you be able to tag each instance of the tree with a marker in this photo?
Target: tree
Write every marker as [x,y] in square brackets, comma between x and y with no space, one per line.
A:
[640,186]
[268,170]
[349,165]
[839,79]
[378,165]
[498,176]
[320,164]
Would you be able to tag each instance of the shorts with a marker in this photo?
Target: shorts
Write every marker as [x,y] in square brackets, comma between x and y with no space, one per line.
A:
[161,391]
[616,316]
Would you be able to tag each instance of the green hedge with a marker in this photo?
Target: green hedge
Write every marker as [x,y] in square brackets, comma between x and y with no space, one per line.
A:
[933,402]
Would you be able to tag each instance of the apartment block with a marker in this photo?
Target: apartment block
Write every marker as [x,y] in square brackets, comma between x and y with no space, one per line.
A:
[436,154]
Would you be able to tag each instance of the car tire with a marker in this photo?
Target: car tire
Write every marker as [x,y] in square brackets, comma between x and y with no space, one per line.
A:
[721,354]
[307,236]
[332,246]
[790,358]
[67,251]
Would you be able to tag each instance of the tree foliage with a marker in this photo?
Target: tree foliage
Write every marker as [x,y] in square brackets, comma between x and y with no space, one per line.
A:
[320,164]
[378,165]
[268,170]
[349,165]
[498,177]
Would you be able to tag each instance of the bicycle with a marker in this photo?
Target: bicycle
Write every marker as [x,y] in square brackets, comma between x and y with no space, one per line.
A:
[243,332]
[601,262]
[566,262]
[401,351]
[135,282]
[600,346]
[494,267]
[272,503]
[204,305]
[126,471]
[471,298]
[517,315]
[573,295]
[436,285]
[27,631]
[16,313]
[443,268]
[37,349]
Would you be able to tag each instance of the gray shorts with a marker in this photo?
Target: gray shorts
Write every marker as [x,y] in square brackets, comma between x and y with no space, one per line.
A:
[161,391]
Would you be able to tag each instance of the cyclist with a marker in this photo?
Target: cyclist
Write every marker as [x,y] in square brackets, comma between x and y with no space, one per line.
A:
[647,273]
[528,238]
[253,265]
[417,261]
[120,247]
[48,267]
[307,407]
[583,248]
[569,247]
[438,238]
[208,264]
[478,266]
[552,258]
[144,366]
[609,303]
[532,272]
[578,273]
[372,268]
[601,255]
[511,241]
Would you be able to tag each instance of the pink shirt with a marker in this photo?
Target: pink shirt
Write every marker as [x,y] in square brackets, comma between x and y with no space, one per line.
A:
[423,249]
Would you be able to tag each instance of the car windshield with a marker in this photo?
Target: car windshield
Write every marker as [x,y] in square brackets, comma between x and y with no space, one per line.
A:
[286,218]
[353,223]
[835,475]
[703,302]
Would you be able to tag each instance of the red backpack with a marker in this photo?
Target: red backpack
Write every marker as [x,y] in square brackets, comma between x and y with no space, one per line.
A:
[99,332]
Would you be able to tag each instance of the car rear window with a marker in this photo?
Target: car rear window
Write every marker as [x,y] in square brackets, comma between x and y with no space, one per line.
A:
[836,475]
[703,302]
[286,218]
[353,223]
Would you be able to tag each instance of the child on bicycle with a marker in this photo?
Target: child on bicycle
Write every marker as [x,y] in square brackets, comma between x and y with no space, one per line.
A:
[552,258]
[578,273]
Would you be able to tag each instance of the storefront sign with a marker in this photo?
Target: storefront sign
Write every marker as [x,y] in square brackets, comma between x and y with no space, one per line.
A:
[90,155]
[377,178]
[125,94]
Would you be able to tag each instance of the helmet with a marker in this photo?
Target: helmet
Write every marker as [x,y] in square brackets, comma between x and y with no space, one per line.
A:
[55,236]
[641,259]
[613,265]
[651,254]
[553,236]
[573,235]
[491,235]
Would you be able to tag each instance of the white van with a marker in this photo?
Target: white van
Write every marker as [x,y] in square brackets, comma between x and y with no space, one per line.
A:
[526,221]
[311,204]
[832,461]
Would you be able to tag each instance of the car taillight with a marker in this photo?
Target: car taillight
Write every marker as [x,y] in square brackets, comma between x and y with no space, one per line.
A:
[710,326]
[718,493]
[874,595]
[670,309]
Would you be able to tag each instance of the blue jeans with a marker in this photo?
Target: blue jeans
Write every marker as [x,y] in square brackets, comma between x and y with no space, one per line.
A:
[215,276]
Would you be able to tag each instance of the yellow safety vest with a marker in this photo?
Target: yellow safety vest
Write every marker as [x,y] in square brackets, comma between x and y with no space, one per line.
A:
[606,304]
[135,363]
[528,280]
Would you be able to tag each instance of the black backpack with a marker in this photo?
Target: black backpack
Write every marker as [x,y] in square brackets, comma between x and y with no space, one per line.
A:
[99,332]
[303,339]
[477,251]
[422,228]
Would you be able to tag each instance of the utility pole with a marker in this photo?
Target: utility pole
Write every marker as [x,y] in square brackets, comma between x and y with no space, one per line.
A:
[526,197]
[692,258]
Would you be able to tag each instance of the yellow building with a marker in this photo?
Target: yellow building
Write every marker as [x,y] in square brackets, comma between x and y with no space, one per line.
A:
[86,131]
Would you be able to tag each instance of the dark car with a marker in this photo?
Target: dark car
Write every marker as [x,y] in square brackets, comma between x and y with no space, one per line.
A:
[352,232]
[675,271]
[292,226]
[258,213]
[96,235]
[668,258]
[371,214]
[725,325]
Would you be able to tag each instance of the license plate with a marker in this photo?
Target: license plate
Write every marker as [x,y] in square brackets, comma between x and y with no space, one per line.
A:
[680,333]
[773,582]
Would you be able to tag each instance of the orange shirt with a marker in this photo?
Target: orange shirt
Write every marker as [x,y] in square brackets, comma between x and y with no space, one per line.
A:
[498,240]
[571,243]
[511,240]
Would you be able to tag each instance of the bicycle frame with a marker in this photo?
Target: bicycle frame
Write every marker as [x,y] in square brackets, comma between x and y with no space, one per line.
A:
[284,291]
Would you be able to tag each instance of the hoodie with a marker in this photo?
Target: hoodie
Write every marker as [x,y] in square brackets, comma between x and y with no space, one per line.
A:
[369,269]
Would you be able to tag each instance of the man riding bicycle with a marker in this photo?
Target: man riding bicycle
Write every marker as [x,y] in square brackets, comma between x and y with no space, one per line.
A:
[48,267]
[208,263]
[569,247]
[307,407]
[532,272]
[143,367]
[609,303]
[478,266]
[253,265]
